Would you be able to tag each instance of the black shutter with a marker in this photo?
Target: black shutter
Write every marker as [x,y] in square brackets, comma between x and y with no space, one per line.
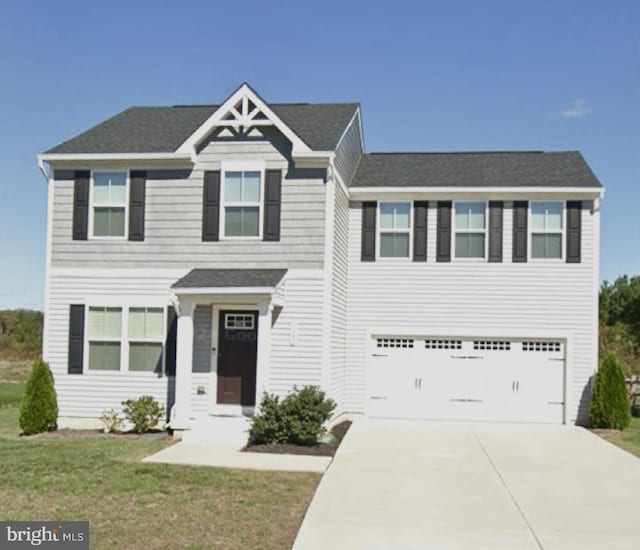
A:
[273,180]
[574,229]
[76,339]
[520,214]
[369,231]
[211,206]
[137,184]
[420,209]
[171,342]
[495,231]
[443,240]
[80,205]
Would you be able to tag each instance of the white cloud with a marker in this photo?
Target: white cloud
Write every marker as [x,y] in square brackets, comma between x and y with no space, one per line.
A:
[579,108]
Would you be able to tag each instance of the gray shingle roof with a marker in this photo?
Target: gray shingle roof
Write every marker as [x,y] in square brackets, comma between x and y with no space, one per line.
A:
[218,278]
[495,169]
[163,129]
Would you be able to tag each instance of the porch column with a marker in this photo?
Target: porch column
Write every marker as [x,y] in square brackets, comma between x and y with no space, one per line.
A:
[184,357]
[265,317]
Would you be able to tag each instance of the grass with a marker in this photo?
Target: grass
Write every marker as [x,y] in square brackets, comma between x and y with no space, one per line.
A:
[136,505]
[629,439]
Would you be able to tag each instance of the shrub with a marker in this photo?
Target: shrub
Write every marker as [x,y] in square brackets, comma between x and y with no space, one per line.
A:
[609,406]
[39,407]
[143,413]
[298,419]
[112,421]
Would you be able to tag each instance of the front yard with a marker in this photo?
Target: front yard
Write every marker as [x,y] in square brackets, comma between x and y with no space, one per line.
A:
[629,439]
[134,505]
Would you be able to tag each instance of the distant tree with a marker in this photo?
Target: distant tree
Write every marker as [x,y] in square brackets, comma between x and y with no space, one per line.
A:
[39,407]
[610,407]
[20,334]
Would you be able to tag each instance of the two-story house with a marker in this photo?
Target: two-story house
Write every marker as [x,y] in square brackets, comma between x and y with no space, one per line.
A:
[207,254]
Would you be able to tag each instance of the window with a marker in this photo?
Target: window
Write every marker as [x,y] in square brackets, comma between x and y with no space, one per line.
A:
[241,197]
[395,229]
[470,229]
[109,206]
[238,321]
[104,334]
[546,229]
[145,339]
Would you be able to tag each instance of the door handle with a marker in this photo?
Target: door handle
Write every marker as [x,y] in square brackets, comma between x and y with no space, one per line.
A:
[419,383]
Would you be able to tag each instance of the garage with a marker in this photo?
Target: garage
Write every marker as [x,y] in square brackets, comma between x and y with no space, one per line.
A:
[513,380]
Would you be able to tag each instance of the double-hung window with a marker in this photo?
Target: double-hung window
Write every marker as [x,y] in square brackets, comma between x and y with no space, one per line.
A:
[546,229]
[241,203]
[104,329]
[470,229]
[109,203]
[395,229]
[145,339]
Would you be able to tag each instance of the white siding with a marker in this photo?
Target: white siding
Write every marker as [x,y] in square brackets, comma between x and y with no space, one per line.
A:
[475,298]
[173,220]
[296,337]
[349,150]
[89,394]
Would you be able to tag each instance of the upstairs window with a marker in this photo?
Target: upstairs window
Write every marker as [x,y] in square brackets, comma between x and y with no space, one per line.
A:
[145,339]
[104,335]
[470,229]
[546,229]
[241,204]
[395,229]
[109,204]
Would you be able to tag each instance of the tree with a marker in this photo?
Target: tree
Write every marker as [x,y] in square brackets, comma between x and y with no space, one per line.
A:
[39,407]
[610,406]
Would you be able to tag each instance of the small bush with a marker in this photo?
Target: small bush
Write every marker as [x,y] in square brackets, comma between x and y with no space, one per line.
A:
[39,407]
[298,419]
[610,406]
[143,413]
[112,421]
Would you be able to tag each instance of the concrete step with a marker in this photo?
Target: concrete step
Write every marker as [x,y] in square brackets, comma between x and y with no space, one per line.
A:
[219,430]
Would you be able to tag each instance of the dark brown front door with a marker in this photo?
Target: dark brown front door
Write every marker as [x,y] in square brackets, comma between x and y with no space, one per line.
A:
[237,354]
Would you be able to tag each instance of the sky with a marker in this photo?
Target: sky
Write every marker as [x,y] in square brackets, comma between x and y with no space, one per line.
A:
[429,75]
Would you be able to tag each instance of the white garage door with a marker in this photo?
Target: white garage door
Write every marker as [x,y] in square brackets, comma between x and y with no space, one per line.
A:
[466,379]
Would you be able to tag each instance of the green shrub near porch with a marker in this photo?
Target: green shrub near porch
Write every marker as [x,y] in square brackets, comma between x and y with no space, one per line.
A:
[610,407]
[297,419]
[39,407]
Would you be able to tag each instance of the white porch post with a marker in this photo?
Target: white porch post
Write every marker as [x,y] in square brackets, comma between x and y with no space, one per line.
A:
[265,316]
[184,357]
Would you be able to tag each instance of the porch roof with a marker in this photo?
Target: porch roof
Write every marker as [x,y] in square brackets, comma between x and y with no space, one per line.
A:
[219,279]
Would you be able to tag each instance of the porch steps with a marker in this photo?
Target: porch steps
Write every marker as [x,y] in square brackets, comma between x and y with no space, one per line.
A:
[229,431]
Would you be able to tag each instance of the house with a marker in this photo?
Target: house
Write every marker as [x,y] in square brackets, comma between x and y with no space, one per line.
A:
[207,254]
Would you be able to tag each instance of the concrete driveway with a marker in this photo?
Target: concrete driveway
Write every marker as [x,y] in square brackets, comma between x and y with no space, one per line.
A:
[398,484]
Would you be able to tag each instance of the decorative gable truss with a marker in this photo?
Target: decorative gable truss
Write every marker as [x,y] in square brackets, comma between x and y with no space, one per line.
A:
[243,114]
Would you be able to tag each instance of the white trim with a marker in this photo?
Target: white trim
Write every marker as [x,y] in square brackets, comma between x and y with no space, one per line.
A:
[530,232]
[48,269]
[124,205]
[380,230]
[455,230]
[449,193]
[328,266]
[244,92]
[239,166]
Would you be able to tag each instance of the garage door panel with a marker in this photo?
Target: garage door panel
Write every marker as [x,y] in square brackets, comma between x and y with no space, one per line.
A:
[467,379]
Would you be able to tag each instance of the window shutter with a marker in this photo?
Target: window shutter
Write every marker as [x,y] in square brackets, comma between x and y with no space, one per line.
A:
[76,339]
[369,231]
[574,230]
[520,214]
[420,209]
[272,191]
[81,205]
[211,206]
[443,241]
[495,231]
[171,342]
[137,184]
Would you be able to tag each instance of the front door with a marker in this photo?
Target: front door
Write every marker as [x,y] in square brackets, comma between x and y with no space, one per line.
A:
[237,355]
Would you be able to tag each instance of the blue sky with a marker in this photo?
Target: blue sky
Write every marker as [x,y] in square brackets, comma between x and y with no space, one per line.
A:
[449,75]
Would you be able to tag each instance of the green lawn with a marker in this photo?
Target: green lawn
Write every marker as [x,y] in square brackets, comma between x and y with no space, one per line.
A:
[628,439]
[134,505]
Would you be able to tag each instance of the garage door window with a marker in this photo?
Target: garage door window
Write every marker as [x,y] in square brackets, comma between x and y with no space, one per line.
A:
[470,229]
[395,229]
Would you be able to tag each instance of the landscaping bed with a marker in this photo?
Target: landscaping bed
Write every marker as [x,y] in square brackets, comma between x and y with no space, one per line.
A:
[321,449]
